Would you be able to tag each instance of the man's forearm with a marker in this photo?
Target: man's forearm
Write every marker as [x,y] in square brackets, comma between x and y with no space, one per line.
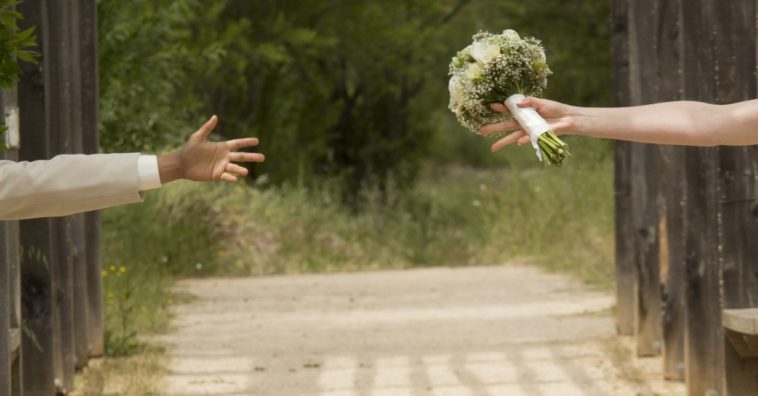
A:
[169,167]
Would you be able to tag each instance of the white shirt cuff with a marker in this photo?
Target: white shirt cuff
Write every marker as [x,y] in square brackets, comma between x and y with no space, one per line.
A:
[147,172]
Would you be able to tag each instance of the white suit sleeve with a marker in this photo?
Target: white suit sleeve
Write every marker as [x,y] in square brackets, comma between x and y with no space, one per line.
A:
[147,170]
[70,184]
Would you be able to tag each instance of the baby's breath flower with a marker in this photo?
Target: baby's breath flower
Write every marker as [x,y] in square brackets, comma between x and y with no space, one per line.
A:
[492,68]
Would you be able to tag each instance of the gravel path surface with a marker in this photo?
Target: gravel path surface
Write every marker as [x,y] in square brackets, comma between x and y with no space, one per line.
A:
[507,330]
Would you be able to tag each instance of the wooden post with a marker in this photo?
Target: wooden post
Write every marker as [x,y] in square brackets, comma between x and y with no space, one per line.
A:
[664,58]
[78,237]
[7,358]
[672,252]
[704,349]
[735,48]
[41,343]
[10,301]
[704,355]
[739,168]
[59,90]
[91,145]
[10,342]
[644,87]
[625,268]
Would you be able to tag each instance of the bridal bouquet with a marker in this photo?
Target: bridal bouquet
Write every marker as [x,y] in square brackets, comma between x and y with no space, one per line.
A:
[502,68]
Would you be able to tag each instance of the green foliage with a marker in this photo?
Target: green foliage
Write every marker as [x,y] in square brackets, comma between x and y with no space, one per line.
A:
[14,44]
[142,54]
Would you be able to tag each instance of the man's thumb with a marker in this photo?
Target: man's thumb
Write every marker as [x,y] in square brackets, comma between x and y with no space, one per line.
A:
[206,129]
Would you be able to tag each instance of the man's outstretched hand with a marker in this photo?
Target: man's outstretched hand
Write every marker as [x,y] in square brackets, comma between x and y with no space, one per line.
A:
[203,160]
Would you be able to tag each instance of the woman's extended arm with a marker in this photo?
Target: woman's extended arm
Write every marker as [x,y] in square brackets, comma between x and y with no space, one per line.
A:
[680,123]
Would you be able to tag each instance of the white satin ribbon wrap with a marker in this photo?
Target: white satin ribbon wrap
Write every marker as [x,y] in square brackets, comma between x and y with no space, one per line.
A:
[532,123]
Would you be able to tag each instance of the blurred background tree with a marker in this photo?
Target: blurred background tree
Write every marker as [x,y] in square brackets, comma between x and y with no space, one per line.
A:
[349,90]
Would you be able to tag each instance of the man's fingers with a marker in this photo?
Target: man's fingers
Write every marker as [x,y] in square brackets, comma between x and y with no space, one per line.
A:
[236,169]
[237,144]
[504,126]
[500,108]
[228,177]
[205,130]
[247,157]
[513,137]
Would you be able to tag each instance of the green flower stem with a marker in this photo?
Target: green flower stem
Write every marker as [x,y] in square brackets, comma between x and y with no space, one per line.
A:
[554,150]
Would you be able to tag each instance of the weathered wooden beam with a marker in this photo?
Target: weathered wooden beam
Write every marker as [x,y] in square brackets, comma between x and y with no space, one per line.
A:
[672,254]
[702,24]
[733,34]
[91,145]
[704,354]
[78,231]
[59,98]
[6,375]
[624,258]
[41,342]
[644,87]
[741,320]
[667,83]
[10,311]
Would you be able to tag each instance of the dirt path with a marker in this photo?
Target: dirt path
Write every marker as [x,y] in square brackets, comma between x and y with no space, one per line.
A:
[506,330]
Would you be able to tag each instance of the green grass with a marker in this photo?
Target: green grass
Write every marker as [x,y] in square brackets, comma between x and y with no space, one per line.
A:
[454,216]
[558,218]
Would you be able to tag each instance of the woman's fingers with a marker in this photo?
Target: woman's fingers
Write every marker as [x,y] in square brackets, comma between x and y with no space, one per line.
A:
[504,126]
[513,137]
[500,108]
[519,137]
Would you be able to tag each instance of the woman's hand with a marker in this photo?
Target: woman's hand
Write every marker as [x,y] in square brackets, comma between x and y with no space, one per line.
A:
[203,160]
[558,115]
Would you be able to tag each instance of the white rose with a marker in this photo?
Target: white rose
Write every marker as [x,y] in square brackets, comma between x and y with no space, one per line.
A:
[511,34]
[484,52]
[473,71]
